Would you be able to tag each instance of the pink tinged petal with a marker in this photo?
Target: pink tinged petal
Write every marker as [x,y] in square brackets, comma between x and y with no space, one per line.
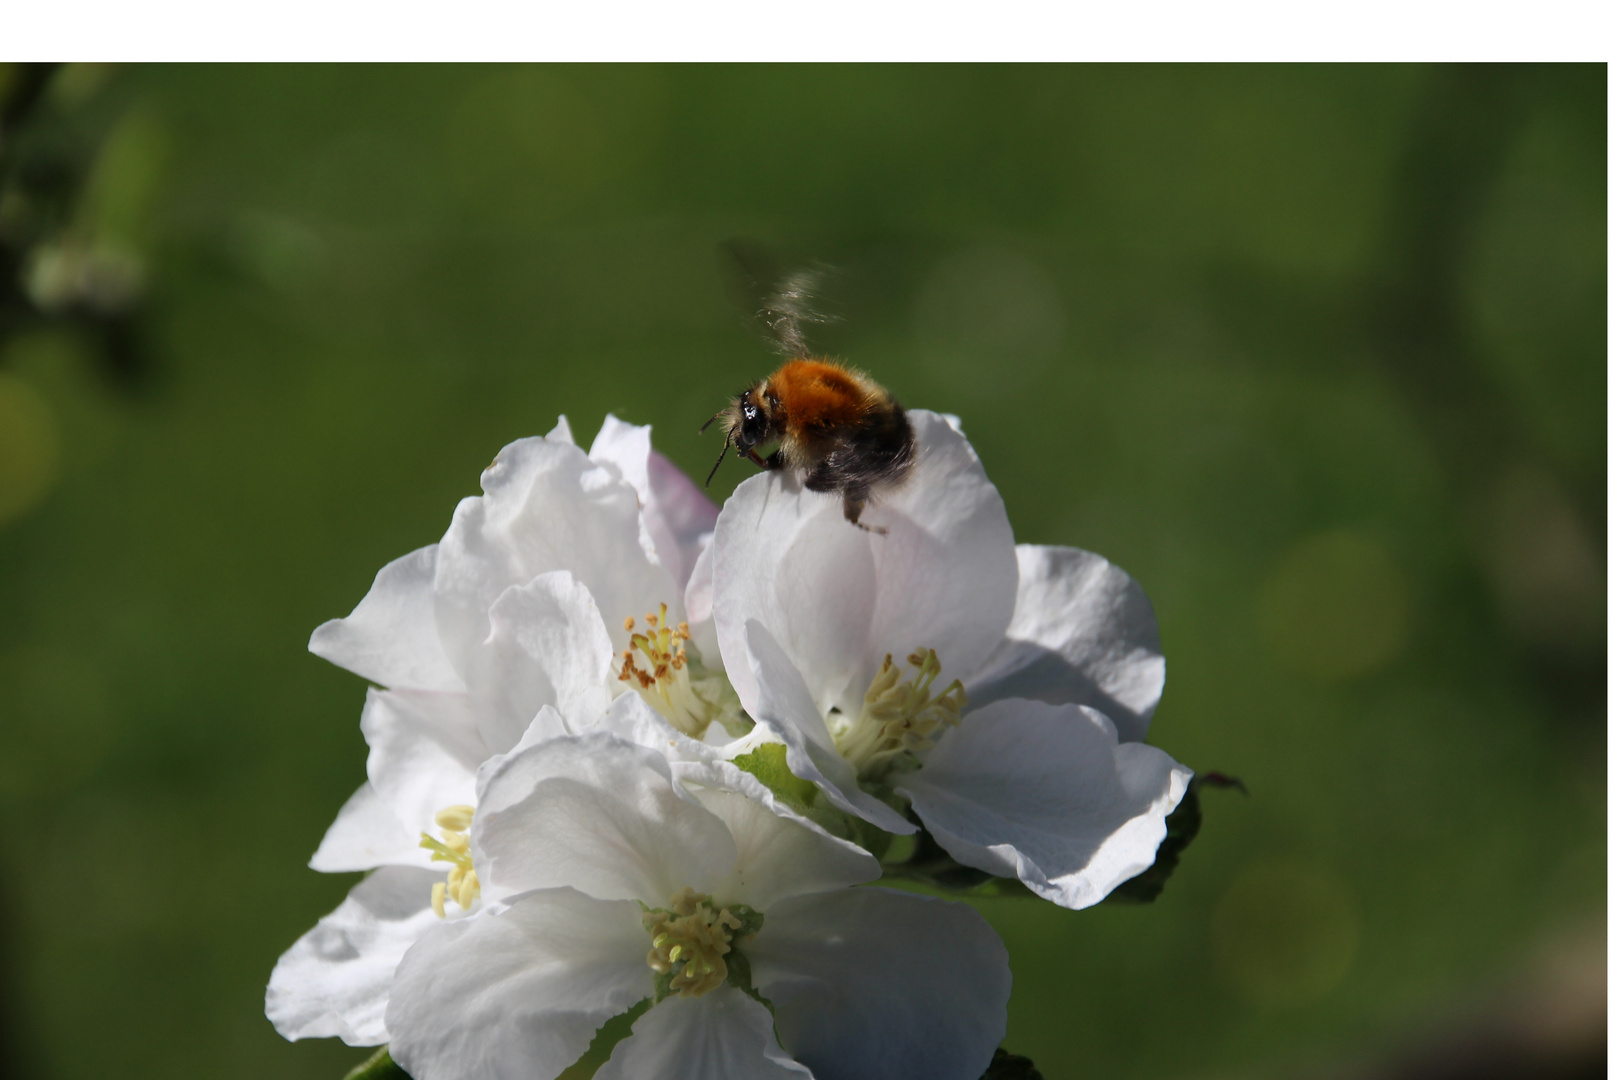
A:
[547,645]
[335,980]
[1083,632]
[425,753]
[872,984]
[517,993]
[724,1035]
[546,507]
[783,706]
[838,599]
[678,516]
[700,607]
[392,637]
[597,814]
[366,834]
[1047,794]
[686,512]
[779,854]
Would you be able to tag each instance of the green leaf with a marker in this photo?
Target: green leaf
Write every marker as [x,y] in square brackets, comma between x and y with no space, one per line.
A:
[1005,1066]
[1180,828]
[607,1037]
[768,763]
[378,1066]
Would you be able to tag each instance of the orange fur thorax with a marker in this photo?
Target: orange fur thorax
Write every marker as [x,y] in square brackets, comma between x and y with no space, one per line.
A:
[815,395]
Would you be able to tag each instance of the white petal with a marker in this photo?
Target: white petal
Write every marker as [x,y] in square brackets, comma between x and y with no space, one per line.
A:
[723,1035]
[779,853]
[678,516]
[634,721]
[783,706]
[1082,632]
[366,834]
[1047,794]
[391,637]
[548,723]
[335,979]
[598,814]
[838,599]
[425,753]
[517,994]
[627,447]
[562,432]
[872,984]
[546,507]
[700,608]
[685,513]
[547,645]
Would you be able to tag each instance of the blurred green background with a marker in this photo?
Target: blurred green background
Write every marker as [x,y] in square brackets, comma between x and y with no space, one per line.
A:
[1316,353]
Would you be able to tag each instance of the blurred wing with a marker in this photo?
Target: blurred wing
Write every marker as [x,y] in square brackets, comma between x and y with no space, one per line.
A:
[779,301]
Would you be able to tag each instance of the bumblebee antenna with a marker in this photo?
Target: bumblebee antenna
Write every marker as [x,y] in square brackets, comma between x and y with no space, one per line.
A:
[711,420]
[716,468]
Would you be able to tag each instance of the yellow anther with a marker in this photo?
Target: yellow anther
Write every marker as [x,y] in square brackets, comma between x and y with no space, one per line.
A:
[461,884]
[455,818]
[900,717]
[656,666]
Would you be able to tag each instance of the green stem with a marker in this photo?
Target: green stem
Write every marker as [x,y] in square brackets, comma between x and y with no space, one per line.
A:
[378,1066]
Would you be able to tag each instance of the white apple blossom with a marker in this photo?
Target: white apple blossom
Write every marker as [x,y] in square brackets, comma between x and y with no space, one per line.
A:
[335,980]
[612,876]
[495,631]
[521,604]
[1001,690]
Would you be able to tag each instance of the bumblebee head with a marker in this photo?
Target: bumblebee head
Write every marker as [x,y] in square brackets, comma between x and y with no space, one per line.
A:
[749,426]
[746,422]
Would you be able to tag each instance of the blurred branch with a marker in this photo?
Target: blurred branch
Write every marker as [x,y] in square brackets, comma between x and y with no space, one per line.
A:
[55,270]
[1465,123]
[27,87]
[1418,323]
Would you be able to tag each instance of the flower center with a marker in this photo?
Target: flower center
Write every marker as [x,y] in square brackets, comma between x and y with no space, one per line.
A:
[899,717]
[455,823]
[691,938]
[682,692]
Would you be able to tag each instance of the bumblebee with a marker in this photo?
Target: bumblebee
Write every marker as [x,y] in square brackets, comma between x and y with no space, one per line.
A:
[834,427]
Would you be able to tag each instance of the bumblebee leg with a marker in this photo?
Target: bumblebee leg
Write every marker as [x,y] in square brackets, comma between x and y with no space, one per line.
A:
[763,463]
[852,513]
